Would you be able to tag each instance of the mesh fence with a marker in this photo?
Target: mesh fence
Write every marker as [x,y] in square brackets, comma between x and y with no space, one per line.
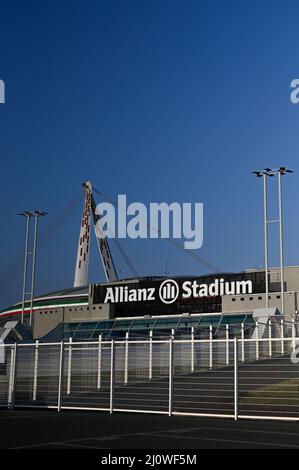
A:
[6,374]
[256,377]
[142,376]
[37,375]
[269,387]
[204,377]
[87,375]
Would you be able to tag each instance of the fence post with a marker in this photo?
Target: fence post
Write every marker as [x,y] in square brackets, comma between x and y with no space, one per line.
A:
[69,369]
[112,376]
[227,344]
[12,377]
[34,393]
[282,336]
[211,347]
[257,344]
[294,335]
[99,362]
[243,343]
[126,358]
[170,376]
[60,382]
[192,350]
[150,372]
[236,380]
[270,338]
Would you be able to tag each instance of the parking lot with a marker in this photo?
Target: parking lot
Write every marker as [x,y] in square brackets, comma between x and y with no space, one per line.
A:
[95,430]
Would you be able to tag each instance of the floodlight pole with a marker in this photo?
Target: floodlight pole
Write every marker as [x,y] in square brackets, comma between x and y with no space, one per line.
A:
[264,174]
[266,239]
[28,216]
[273,172]
[33,267]
[36,215]
[280,174]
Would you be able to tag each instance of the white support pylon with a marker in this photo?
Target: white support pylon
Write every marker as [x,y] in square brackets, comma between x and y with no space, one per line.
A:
[82,263]
[103,246]
[89,216]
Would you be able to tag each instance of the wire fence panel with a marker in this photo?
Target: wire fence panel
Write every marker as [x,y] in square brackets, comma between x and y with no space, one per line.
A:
[256,377]
[37,375]
[25,375]
[86,376]
[142,376]
[6,374]
[269,387]
[46,387]
[204,378]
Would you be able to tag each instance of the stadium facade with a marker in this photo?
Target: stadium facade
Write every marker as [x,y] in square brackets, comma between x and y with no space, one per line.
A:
[141,305]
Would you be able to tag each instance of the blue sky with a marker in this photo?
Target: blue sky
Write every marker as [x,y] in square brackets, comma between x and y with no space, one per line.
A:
[162,101]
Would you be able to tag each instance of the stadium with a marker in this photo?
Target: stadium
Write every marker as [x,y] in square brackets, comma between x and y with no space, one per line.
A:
[217,345]
[134,305]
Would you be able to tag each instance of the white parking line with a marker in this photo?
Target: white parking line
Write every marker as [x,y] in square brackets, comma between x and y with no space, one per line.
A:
[232,429]
[179,434]
[81,446]
[227,441]
[96,438]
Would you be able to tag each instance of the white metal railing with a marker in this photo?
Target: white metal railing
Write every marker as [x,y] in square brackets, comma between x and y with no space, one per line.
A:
[229,377]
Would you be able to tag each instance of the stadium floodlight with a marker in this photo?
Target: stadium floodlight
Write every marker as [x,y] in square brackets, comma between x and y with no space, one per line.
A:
[282,171]
[36,214]
[28,215]
[258,174]
[40,213]
[269,172]
[264,174]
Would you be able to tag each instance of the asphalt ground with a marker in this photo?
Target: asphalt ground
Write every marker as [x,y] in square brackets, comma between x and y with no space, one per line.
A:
[36,429]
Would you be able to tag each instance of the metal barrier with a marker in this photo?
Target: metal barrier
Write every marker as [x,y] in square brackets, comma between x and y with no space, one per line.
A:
[269,386]
[203,378]
[234,378]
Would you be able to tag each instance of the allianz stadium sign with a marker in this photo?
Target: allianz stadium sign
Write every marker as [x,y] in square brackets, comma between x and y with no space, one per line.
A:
[169,291]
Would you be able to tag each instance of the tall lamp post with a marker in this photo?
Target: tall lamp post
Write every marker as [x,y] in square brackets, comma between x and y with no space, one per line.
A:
[282,171]
[265,174]
[27,215]
[36,214]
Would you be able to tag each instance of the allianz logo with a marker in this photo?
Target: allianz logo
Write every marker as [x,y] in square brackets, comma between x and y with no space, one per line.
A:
[169,291]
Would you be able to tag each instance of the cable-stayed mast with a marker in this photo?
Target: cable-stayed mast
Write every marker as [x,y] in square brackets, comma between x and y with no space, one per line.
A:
[89,213]
[106,257]
[82,263]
